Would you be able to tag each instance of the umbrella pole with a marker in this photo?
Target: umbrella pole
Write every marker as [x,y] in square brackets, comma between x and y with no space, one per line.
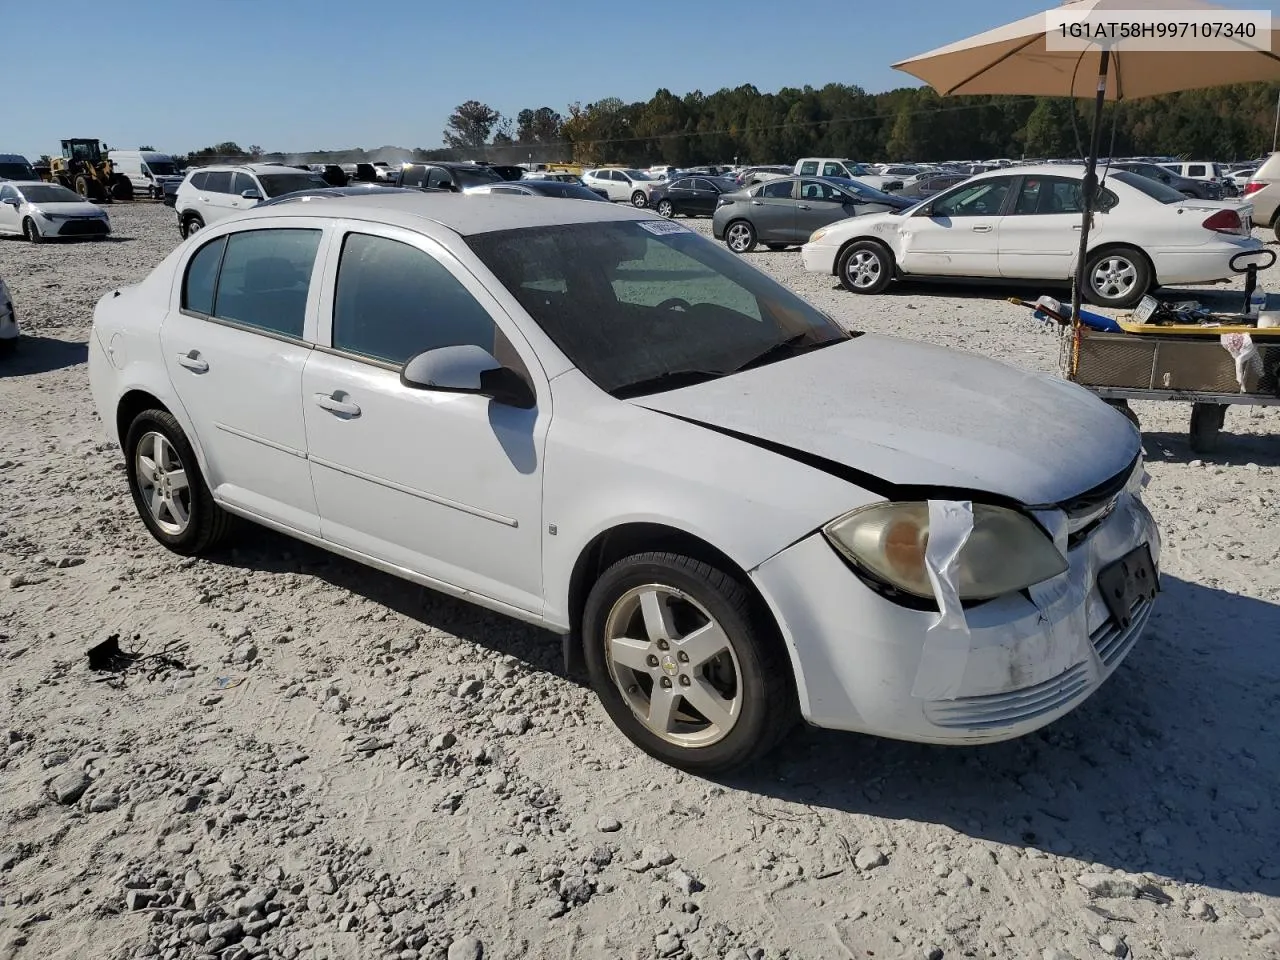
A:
[1090,185]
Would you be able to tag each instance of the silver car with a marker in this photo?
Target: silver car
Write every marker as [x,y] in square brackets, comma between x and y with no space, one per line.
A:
[784,212]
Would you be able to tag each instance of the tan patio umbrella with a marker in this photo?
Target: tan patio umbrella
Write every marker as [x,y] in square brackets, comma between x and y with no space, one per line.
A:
[1016,59]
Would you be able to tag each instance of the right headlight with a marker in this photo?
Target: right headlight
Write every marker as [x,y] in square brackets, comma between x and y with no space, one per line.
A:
[817,234]
[1006,550]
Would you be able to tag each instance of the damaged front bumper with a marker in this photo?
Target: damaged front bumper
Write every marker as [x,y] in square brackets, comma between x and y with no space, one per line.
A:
[1021,661]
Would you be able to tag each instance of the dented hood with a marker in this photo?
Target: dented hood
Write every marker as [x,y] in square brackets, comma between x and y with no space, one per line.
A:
[909,414]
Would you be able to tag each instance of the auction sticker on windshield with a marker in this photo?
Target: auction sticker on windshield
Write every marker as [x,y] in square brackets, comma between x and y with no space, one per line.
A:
[660,228]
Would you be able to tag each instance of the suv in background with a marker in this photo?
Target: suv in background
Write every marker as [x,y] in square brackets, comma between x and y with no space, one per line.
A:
[454,177]
[215,193]
[14,166]
[1263,191]
[1192,189]
[622,184]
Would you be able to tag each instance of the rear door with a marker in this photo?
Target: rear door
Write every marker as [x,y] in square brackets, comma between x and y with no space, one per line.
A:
[1040,237]
[215,199]
[235,341]
[773,211]
[819,204]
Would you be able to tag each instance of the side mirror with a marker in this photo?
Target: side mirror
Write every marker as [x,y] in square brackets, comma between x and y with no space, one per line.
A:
[467,369]
[12,202]
[251,195]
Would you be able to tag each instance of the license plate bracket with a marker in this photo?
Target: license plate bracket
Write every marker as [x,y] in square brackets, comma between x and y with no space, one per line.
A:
[1126,581]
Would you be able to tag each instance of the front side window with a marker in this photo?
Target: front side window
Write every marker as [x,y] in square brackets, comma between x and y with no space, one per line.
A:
[809,168]
[982,199]
[638,305]
[393,301]
[242,182]
[8,193]
[834,170]
[264,279]
[415,176]
[777,190]
[1195,170]
[818,190]
[439,178]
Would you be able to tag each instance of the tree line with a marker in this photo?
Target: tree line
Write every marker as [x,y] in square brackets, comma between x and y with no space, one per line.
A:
[1226,123]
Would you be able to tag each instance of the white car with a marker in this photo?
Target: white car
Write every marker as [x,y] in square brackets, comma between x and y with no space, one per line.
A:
[1023,224]
[622,185]
[8,320]
[602,423]
[43,211]
[211,194]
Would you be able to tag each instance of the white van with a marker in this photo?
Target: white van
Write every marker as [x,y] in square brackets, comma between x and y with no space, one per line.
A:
[147,170]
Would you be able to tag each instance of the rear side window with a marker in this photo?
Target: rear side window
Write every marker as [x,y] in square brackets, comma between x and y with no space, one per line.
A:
[202,277]
[393,301]
[264,279]
[834,170]
[219,181]
[198,180]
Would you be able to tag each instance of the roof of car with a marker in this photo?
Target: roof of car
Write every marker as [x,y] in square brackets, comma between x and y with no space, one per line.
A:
[251,167]
[463,214]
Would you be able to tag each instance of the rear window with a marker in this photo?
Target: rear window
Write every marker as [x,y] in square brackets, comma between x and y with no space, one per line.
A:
[1152,188]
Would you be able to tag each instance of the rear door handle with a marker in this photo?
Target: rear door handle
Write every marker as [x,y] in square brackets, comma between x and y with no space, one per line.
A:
[193,361]
[982,228]
[334,404]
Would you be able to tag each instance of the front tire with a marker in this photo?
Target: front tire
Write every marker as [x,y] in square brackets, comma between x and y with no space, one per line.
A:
[639,200]
[191,224]
[740,236]
[168,489]
[686,663]
[865,267]
[1117,278]
[31,231]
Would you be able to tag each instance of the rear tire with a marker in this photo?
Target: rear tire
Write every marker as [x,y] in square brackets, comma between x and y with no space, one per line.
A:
[183,518]
[745,685]
[1206,426]
[121,188]
[1118,277]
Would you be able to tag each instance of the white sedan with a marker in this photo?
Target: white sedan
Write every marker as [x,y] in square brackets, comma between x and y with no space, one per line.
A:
[736,512]
[40,211]
[1023,224]
[8,320]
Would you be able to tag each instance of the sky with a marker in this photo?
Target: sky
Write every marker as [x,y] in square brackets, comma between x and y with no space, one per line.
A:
[298,76]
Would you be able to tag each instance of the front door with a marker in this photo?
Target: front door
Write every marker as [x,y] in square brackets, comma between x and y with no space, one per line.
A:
[10,221]
[821,203]
[957,234]
[235,344]
[702,198]
[773,212]
[446,485]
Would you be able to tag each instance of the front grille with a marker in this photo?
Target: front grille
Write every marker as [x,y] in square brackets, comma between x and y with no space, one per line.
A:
[1012,706]
[1113,643]
[90,227]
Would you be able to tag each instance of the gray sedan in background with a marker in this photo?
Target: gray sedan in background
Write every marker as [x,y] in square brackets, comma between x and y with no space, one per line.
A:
[783,213]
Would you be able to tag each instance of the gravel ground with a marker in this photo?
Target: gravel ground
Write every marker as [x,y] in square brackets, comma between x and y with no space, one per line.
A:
[320,761]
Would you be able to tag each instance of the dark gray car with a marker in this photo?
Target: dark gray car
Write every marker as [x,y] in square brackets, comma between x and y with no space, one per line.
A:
[1194,189]
[783,213]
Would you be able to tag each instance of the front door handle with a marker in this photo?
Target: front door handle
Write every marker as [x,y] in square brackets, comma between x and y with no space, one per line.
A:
[335,404]
[982,228]
[193,361]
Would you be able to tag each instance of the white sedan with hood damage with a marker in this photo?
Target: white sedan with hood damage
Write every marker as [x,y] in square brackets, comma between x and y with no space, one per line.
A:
[736,512]
[1023,224]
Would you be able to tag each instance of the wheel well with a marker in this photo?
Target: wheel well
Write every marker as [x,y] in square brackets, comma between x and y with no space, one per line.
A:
[629,539]
[835,264]
[1103,248]
[132,404]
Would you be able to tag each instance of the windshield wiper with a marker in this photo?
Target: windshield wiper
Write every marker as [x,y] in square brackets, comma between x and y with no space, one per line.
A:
[789,347]
[665,381]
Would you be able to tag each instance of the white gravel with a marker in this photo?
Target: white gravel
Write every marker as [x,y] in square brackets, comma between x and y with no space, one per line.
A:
[327,762]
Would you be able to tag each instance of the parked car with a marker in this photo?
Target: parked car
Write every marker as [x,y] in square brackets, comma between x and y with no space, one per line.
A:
[14,166]
[691,196]
[928,184]
[148,170]
[8,320]
[330,173]
[753,175]
[835,167]
[783,213]
[1263,191]
[1199,189]
[1018,224]
[1197,170]
[907,173]
[171,193]
[360,172]
[777,561]
[622,185]
[454,177]
[539,188]
[383,171]
[214,193]
[46,211]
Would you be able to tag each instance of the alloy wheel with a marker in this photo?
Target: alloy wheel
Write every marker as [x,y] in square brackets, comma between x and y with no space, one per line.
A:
[1114,278]
[739,237]
[864,269]
[674,665]
[162,480]
[665,209]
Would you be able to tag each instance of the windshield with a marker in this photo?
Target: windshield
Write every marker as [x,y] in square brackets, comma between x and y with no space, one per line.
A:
[467,177]
[16,171]
[277,183]
[631,302]
[1152,188]
[163,168]
[49,193]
